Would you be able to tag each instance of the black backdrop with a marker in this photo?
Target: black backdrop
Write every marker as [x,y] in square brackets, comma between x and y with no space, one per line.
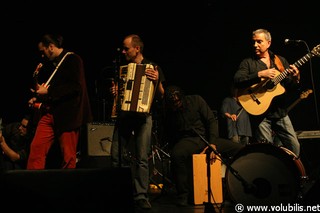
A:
[198,44]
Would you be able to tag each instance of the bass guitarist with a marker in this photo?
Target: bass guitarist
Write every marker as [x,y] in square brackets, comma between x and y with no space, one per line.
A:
[67,104]
[257,90]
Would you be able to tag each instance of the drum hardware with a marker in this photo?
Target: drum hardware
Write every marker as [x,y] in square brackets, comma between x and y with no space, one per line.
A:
[159,157]
[311,188]
[159,164]
[279,179]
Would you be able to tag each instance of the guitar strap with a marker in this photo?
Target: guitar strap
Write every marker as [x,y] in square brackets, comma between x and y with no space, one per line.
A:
[278,63]
[57,67]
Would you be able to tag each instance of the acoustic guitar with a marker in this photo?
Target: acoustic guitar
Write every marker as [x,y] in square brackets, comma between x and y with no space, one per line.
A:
[257,98]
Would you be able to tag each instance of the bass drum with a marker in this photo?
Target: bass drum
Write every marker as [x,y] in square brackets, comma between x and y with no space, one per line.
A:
[263,174]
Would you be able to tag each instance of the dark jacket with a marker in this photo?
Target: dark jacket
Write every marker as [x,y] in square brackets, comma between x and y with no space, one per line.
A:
[67,94]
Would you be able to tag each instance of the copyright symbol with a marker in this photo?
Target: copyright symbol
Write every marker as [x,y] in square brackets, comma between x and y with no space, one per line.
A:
[239,208]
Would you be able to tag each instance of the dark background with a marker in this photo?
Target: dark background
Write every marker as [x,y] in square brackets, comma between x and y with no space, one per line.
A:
[198,44]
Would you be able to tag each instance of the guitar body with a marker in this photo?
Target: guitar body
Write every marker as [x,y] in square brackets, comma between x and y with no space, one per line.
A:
[37,112]
[257,98]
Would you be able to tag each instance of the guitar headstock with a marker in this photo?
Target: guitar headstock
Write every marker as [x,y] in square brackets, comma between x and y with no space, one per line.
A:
[316,50]
[36,72]
[305,94]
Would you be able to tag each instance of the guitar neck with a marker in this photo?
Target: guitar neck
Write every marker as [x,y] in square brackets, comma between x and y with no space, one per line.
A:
[298,64]
[303,95]
[293,104]
[35,75]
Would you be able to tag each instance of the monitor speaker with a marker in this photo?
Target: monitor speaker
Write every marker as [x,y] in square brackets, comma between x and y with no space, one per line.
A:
[99,138]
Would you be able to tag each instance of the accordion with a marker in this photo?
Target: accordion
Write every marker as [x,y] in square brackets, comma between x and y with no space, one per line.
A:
[138,91]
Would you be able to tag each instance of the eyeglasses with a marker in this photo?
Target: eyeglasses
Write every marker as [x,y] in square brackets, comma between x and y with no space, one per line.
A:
[24,126]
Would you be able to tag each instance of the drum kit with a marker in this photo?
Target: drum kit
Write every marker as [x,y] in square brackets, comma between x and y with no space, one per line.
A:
[265,174]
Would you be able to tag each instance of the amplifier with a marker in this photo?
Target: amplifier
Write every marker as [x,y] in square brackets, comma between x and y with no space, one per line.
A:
[100,138]
[308,134]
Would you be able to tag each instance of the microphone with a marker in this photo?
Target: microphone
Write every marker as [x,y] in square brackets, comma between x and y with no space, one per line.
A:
[291,41]
[118,59]
[1,127]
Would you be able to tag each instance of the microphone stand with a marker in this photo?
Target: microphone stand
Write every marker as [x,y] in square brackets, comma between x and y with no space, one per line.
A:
[248,187]
[311,76]
[118,103]
[313,87]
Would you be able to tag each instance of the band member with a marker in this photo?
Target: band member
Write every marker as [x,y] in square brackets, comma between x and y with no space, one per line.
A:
[188,121]
[64,103]
[267,65]
[15,139]
[238,124]
[136,128]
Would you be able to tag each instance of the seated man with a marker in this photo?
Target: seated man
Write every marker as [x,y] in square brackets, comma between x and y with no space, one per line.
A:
[189,128]
[15,139]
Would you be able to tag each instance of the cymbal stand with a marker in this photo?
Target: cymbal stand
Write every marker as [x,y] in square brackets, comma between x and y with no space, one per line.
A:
[117,63]
[158,153]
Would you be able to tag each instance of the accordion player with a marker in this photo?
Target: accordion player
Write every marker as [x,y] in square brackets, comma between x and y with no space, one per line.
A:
[138,91]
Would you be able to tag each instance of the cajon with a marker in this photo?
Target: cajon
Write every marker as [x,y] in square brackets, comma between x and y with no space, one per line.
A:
[200,180]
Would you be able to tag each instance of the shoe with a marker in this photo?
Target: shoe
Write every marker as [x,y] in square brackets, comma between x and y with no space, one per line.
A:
[182,201]
[143,204]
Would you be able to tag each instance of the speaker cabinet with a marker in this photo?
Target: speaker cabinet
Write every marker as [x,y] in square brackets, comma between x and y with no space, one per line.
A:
[99,138]
[68,190]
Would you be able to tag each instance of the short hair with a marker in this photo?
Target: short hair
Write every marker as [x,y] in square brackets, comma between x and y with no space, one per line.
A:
[136,41]
[171,91]
[27,117]
[55,39]
[266,33]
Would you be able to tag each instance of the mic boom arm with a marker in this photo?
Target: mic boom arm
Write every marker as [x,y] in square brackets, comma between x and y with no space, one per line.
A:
[248,188]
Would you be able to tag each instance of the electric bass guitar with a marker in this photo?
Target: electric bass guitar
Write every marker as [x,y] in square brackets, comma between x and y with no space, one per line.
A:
[303,95]
[257,98]
[35,82]
[36,106]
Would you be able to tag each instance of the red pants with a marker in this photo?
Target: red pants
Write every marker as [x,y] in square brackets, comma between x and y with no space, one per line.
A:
[44,138]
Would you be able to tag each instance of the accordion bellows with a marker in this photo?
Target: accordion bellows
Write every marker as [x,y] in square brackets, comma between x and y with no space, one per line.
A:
[138,90]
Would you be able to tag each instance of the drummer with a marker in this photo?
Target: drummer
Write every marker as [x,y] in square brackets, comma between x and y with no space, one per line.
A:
[190,127]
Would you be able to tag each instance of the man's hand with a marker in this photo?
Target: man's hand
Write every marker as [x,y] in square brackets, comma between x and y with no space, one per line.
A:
[213,156]
[152,74]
